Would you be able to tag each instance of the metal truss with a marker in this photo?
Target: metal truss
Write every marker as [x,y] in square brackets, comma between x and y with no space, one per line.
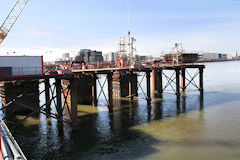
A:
[41,109]
[172,81]
[191,79]
[102,85]
[139,85]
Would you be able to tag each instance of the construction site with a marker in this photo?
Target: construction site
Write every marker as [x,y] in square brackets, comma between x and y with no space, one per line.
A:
[83,81]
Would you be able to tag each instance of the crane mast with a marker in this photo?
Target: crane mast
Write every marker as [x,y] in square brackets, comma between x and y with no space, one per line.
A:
[11,18]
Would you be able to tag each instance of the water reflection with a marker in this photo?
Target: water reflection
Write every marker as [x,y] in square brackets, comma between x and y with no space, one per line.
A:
[105,135]
[201,100]
[158,111]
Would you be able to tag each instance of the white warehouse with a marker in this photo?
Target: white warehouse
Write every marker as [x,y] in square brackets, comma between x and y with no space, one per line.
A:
[21,65]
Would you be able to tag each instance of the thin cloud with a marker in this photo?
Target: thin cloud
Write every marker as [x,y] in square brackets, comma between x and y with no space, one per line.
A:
[172,16]
[38,32]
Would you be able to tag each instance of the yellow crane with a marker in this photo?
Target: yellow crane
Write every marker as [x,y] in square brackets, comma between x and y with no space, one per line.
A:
[11,18]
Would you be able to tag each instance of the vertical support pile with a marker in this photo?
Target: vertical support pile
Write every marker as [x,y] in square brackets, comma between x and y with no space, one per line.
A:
[94,90]
[148,87]
[110,89]
[74,100]
[201,80]
[47,96]
[124,84]
[160,83]
[155,80]
[183,79]
[59,96]
[177,70]
[130,87]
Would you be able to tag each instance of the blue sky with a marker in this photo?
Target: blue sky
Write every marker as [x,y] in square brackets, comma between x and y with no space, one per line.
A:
[69,25]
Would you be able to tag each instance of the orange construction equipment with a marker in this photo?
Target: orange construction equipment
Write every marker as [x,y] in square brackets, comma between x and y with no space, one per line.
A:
[98,64]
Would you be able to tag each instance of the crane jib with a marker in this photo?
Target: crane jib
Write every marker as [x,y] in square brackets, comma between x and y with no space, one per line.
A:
[11,18]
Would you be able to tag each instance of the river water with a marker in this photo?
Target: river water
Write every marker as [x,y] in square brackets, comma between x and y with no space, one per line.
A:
[197,127]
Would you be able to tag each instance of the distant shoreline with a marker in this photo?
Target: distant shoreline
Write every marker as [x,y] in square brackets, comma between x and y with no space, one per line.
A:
[206,61]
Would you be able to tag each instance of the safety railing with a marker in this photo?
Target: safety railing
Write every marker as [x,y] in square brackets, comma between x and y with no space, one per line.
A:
[9,146]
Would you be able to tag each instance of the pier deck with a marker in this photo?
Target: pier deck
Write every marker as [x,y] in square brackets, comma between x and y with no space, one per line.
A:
[97,71]
[80,87]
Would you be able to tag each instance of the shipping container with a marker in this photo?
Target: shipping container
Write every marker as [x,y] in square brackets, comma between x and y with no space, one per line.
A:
[22,65]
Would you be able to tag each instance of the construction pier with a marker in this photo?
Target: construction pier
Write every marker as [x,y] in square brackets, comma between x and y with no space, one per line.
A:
[66,91]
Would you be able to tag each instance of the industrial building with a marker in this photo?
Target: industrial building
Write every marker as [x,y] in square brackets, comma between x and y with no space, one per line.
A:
[66,56]
[65,60]
[89,56]
[216,56]
[182,57]
[110,57]
[21,65]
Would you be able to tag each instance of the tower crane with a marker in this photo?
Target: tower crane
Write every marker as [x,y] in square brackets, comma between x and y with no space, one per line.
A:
[11,18]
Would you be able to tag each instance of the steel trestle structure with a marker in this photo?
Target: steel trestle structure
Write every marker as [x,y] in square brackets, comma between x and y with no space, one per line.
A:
[63,93]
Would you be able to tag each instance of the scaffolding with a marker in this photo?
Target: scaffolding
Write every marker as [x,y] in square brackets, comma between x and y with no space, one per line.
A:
[127,48]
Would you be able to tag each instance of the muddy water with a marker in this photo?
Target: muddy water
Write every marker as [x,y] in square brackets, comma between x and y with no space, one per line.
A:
[195,128]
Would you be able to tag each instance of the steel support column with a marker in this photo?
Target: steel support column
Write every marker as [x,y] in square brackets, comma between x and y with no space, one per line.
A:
[74,97]
[148,87]
[130,85]
[110,88]
[154,80]
[160,83]
[94,90]
[183,80]
[201,80]
[177,82]
[47,96]
[59,96]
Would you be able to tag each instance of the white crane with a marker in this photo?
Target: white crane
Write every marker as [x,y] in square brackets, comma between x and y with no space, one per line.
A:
[11,18]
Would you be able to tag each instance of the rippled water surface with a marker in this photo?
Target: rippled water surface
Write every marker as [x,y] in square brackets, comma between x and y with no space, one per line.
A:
[197,127]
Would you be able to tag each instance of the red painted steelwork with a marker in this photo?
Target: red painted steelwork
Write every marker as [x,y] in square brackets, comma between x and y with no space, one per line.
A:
[42,66]
[36,76]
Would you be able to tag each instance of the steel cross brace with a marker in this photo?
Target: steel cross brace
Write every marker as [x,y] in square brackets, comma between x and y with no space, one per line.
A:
[54,97]
[170,80]
[191,81]
[43,111]
[52,94]
[102,90]
[42,90]
[139,85]
[14,100]
[35,110]
[65,98]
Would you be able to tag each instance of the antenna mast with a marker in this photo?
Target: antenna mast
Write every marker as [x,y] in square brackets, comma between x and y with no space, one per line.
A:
[127,45]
